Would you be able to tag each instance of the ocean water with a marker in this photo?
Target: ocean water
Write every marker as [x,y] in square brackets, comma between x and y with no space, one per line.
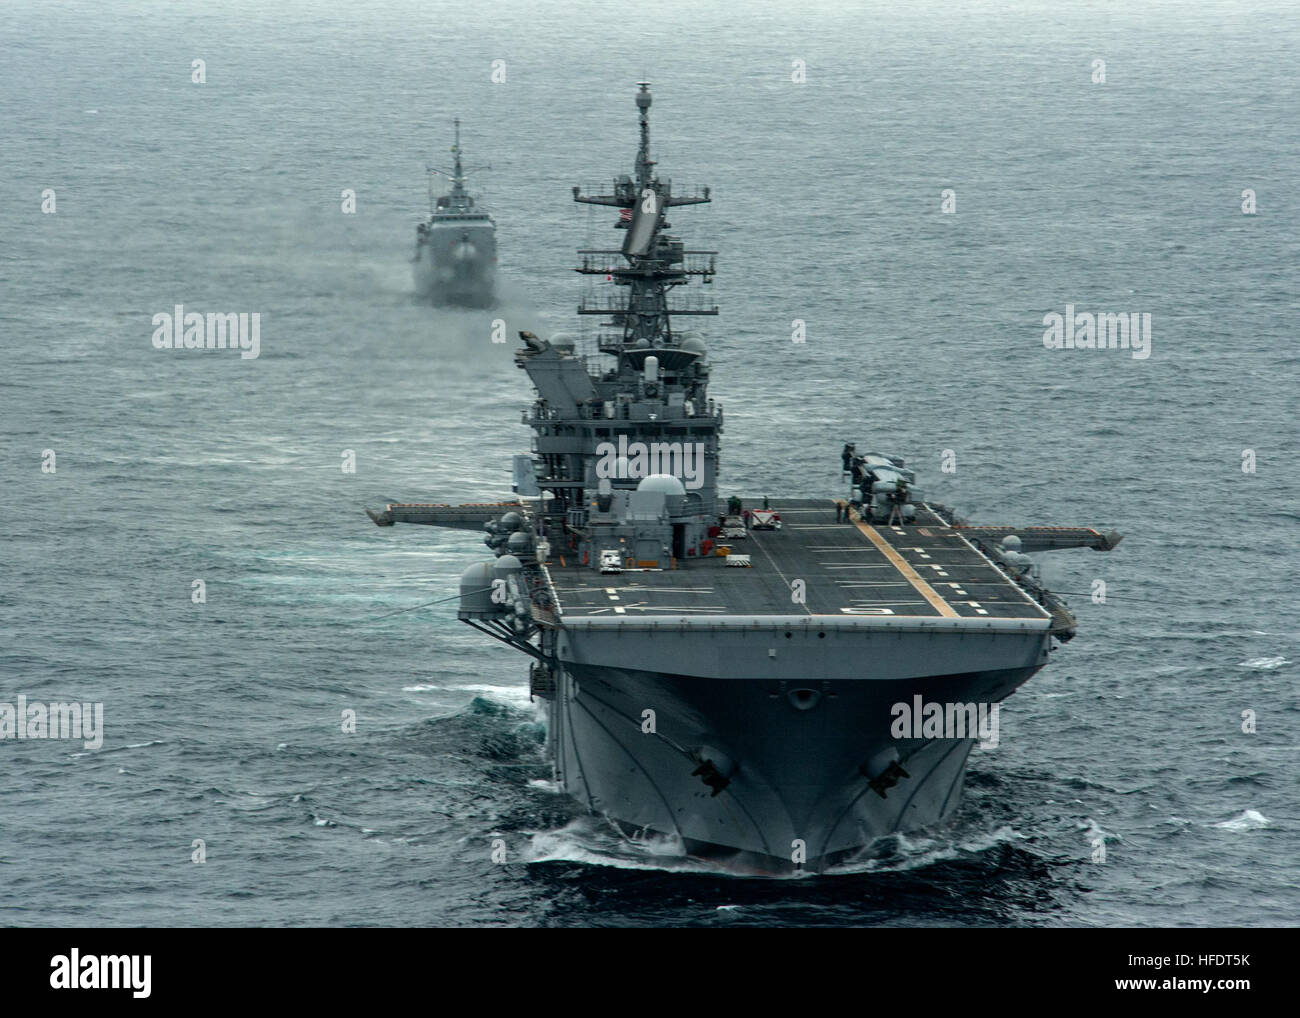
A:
[222,719]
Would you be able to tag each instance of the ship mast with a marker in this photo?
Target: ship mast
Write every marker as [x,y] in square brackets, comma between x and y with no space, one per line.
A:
[458,199]
[644,164]
[458,174]
[655,261]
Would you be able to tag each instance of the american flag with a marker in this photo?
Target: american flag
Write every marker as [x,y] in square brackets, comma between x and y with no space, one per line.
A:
[625,215]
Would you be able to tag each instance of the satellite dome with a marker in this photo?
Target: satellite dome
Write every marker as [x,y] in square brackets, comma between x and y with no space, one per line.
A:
[1011,542]
[694,345]
[476,590]
[477,575]
[507,564]
[666,483]
[562,341]
[512,521]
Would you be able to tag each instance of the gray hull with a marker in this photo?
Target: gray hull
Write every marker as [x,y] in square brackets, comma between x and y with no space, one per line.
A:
[797,753]
[454,270]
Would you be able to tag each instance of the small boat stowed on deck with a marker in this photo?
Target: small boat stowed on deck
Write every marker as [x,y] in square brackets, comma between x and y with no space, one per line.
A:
[744,711]
[455,259]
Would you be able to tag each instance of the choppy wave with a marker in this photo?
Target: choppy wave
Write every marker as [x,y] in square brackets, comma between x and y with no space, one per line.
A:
[1264,664]
[1247,820]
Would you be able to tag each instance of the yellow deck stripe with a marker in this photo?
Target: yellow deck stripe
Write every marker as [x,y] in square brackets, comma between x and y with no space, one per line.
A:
[901,564]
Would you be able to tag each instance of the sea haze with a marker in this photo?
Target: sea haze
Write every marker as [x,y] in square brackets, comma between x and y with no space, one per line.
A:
[924,333]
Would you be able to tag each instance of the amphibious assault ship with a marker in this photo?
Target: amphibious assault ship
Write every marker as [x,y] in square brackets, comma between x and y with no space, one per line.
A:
[725,669]
[456,250]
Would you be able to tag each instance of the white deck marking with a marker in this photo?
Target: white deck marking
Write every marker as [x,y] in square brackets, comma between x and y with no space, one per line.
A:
[636,589]
[680,608]
[784,579]
[1002,577]
[706,609]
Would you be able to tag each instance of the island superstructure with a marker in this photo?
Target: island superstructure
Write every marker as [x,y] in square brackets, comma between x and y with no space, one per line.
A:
[725,671]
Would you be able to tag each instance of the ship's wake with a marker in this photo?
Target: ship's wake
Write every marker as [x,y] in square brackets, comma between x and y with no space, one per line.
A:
[966,878]
[593,841]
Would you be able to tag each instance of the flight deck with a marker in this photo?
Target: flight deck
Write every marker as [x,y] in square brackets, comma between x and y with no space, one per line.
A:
[926,569]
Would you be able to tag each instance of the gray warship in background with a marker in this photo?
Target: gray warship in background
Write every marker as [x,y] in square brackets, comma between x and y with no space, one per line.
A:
[723,671]
[455,259]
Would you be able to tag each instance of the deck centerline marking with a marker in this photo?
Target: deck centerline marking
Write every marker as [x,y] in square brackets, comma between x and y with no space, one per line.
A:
[901,564]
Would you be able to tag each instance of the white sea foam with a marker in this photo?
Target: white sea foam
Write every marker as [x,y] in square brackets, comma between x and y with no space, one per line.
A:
[585,841]
[579,842]
[1266,664]
[510,694]
[1250,820]
[121,749]
[1093,830]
